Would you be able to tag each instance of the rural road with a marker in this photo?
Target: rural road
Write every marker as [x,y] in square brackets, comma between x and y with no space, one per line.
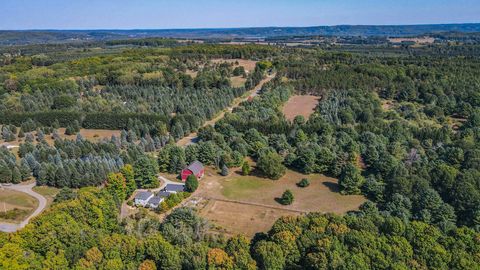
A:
[193,138]
[42,203]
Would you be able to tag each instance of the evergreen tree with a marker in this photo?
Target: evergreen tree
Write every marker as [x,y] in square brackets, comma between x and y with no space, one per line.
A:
[145,171]
[287,198]
[224,171]
[191,184]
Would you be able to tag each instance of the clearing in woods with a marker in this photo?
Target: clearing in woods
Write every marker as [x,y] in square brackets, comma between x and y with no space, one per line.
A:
[246,204]
[248,65]
[300,105]
[93,135]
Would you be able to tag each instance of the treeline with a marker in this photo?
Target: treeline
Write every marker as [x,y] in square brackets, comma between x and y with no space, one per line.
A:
[445,85]
[153,42]
[92,238]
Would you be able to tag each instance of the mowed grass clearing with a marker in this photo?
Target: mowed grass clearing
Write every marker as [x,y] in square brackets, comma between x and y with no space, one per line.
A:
[321,196]
[246,204]
[11,199]
[48,192]
[300,105]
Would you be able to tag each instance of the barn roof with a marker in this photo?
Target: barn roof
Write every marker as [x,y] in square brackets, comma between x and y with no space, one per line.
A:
[196,167]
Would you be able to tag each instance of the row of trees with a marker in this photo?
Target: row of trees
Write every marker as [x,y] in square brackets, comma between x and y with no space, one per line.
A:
[93,239]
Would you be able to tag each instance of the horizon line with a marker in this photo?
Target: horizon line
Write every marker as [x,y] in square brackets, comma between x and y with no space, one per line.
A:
[229,28]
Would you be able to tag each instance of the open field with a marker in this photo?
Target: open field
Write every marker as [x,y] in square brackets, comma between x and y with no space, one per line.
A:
[93,135]
[11,199]
[249,65]
[300,105]
[238,81]
[417,40]
[234,218]
[235,201]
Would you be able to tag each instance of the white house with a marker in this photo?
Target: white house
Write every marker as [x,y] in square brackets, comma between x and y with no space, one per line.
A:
[143,197]
[156,200]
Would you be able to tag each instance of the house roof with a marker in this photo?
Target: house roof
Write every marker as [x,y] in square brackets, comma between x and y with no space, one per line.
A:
[196,167]
[155,200]
[143,195]
[163,194]
[173,187]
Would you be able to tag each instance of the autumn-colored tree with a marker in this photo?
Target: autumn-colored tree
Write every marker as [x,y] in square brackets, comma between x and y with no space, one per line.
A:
[219,259]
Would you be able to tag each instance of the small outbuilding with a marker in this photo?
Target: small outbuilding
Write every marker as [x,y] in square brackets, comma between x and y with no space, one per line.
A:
[196,168]
[143,197]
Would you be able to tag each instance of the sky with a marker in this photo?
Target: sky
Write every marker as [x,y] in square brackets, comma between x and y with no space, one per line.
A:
[164,14]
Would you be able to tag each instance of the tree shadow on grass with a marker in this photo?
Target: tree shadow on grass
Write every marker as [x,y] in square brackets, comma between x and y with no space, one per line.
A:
[279,200]
[333,187]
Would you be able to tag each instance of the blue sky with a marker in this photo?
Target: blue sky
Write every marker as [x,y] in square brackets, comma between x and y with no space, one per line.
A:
[135,14]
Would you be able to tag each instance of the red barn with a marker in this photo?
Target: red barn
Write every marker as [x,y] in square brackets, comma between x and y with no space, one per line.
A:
[196,168]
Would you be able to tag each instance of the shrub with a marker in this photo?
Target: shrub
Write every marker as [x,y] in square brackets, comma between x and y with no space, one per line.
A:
[303,183]
[246,168]
[287,198]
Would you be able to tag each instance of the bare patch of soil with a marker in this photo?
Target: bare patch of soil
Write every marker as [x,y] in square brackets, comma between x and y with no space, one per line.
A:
[300,105]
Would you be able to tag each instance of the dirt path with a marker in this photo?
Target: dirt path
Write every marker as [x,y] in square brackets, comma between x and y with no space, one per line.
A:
[193,138]
[42,203]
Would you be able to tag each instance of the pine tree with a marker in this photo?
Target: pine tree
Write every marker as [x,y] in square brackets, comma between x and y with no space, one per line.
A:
[191,184]
[224,171]
[287,198]
[246,168]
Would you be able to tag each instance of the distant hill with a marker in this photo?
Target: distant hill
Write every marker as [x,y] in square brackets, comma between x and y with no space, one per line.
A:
[58,36]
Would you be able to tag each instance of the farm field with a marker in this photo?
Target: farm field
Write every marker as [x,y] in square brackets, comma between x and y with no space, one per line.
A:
[11,199]
[300,105]
[235,200]
[234,218]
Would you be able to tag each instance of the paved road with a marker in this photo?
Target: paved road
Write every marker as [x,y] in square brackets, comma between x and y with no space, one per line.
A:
[42,203]
[193,138]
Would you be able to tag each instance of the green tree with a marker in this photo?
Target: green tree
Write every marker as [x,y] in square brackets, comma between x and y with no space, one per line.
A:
[129,175]
[351,180]
[191,184]
[270,163]
[303,183]
[163,253]
[145,170]
[224,171]
[287,197]
[117,186]
[269,256]
[246,168]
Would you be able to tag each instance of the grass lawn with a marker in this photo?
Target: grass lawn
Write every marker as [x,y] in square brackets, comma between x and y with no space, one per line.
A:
[16,198]
[48,192]
[253,207]
[16,206]
[242,187]
[321,196]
